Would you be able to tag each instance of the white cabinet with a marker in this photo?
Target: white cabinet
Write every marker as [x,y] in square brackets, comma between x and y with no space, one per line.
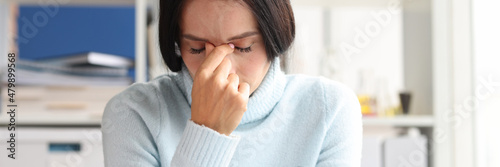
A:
[53,147]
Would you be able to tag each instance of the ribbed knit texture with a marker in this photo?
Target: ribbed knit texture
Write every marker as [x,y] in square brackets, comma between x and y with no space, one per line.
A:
[291,120]
[205,146]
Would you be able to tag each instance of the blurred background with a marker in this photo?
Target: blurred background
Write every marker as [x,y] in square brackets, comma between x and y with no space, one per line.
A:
[426,73]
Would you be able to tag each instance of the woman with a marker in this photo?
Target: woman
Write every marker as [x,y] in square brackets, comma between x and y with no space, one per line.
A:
[229,104]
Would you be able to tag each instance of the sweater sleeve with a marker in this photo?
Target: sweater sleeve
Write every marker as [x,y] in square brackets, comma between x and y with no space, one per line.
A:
[202,146]
[128,128]
[342,143]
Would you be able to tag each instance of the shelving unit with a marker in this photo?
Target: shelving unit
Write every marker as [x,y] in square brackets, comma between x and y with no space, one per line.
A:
[420,66]
[55,120]
[400,121]
[59,125]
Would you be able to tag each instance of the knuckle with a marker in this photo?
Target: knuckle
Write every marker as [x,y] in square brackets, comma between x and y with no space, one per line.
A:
[234,76]
[219,83]
[239,100]
[231,90]
[232,86]
[230,80]
[228,88]
[219,80]
[233,80]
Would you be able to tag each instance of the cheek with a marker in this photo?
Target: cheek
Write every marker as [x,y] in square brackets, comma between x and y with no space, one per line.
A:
[253,68]
[192,62]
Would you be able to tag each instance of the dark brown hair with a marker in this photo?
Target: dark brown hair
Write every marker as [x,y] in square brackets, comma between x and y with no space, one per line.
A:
[274,17]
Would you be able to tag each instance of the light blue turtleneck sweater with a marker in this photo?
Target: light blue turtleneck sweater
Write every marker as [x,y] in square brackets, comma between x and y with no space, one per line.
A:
[291,120]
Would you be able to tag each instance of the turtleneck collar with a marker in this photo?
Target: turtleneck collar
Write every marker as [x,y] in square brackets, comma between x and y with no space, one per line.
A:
[263,99]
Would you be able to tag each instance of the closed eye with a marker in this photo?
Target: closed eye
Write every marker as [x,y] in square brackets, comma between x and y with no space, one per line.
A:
[242,50]
[245,50]
[196,51]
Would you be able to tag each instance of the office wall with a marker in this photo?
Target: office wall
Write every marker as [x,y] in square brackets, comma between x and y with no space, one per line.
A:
[486,81]
[360,46]
[417,41]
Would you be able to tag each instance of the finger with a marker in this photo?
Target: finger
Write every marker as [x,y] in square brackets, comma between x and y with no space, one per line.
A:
[234,81]
[223,69]
[215,56]
[244,89]
[209,47]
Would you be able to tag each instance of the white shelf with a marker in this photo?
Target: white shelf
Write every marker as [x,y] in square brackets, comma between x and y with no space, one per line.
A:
[61,119]
[402,121]
[53,119]
[94,120]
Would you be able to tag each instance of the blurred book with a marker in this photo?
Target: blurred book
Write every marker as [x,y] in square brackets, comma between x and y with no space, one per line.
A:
[90,68]
[41,78]
[76,29]
[75,46]
[79,70]
[90,58]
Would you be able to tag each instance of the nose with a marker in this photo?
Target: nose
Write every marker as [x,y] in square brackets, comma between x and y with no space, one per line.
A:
[209,47]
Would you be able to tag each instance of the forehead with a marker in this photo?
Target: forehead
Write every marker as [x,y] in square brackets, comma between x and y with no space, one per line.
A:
[216,19]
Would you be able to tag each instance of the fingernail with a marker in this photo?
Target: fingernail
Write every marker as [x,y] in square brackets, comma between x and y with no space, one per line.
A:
[231,45]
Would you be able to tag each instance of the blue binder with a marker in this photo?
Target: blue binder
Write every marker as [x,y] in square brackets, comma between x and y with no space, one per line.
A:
[51,31]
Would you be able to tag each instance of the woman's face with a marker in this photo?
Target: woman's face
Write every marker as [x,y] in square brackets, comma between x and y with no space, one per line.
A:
[219,22]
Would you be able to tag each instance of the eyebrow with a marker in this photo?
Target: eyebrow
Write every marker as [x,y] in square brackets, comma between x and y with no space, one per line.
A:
[243,35]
